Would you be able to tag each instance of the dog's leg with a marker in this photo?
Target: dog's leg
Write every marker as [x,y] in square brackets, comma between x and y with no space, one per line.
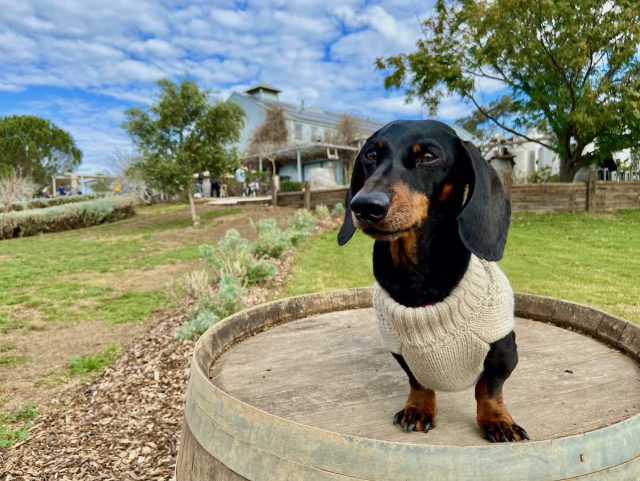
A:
[419,412]
[494,419]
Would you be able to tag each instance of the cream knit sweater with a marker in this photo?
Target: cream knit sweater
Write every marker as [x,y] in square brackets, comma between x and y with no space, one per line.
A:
[445,344]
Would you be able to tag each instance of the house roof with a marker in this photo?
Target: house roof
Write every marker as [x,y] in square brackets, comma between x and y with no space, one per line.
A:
[306,113]
[465,135]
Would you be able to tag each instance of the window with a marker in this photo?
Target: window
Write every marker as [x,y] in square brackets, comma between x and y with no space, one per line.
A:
[316,134]
[298,132]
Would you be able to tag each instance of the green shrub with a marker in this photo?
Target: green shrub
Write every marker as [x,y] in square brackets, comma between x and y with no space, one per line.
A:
[226,300]
[41,203]
[272,241]
[322,212]
[338,210]
[291,186]
[543,175]
[229,295]
[196,326]
[65,217]
[300,225]
[234,255]
[191,286]
[261,270]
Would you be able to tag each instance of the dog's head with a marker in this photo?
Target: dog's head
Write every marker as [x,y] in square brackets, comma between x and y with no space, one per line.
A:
[408,169]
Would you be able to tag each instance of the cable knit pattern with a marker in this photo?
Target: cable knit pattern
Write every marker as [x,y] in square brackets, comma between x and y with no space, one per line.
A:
[445,344]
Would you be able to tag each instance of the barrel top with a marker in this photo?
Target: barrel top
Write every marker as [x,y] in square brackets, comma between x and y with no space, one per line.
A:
[329,371]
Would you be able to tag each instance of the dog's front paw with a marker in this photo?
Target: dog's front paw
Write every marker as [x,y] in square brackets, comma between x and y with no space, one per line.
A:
[415,419]
[419,413]
[502,429]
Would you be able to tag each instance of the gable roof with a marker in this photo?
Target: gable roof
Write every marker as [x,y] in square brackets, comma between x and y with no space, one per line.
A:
[311,114]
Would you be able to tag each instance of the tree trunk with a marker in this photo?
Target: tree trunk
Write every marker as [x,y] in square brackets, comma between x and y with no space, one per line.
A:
[567,170]
[572,161]
[192,206]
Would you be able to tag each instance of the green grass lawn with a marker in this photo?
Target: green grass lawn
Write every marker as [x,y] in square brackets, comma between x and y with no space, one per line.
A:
[587,258]
[58,276]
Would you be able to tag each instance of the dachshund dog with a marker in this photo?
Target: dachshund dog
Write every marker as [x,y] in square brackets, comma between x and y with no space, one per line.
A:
[439,216]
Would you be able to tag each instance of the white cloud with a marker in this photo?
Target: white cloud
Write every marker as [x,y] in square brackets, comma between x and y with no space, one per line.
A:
[113,54]
[398,105]
[452,108]
[8,87]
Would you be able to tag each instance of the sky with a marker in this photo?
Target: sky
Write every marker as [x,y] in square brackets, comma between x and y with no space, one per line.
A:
[81,64]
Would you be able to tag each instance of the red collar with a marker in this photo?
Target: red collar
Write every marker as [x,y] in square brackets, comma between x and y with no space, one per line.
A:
[428,304]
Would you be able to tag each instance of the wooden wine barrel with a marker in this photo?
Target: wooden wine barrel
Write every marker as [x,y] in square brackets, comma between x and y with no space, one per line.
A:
[300,389]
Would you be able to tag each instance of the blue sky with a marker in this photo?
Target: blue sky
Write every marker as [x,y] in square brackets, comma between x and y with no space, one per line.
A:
[82,63]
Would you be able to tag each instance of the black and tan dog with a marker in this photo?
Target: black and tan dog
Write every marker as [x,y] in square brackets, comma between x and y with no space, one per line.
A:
[435,207]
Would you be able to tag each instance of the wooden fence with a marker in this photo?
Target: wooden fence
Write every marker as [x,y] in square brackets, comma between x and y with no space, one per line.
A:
[554,196]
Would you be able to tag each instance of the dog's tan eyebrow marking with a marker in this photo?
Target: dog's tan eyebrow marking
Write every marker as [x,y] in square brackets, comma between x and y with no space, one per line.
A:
[379,143]
[446,192]
[415,148]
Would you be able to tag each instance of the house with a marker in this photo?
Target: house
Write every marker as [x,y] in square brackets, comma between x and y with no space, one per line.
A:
[311,153]
[532,159]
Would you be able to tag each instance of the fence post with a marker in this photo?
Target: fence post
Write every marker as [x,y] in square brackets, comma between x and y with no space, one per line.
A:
[507,182]
[307,195]
[591,191]
[275,188]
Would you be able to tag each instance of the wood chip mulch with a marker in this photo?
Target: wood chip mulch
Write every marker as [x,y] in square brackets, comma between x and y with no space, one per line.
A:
[123,426]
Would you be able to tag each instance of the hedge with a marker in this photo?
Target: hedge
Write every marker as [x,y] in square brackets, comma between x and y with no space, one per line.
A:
[291,186]
[42,202]
[65,217]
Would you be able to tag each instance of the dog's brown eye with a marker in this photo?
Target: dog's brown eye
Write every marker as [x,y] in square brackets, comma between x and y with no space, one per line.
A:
[372,155]
[427,158]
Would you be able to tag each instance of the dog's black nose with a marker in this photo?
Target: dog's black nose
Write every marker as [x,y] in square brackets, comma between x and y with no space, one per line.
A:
[370,207]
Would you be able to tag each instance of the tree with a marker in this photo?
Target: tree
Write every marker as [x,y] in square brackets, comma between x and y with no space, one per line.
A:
[270,136]
[572,68]
[347,131]
[14,188]
[478,123]
[272,133]
[36,148]
[120,161]
[183,134]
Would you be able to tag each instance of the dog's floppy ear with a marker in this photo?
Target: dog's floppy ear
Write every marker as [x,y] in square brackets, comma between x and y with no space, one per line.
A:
[484,220]
[357,181]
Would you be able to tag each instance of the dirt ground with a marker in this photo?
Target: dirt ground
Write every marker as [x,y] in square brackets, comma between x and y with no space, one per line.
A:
[48,347]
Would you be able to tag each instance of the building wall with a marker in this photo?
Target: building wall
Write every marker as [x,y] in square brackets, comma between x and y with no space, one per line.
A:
[301,132]
[333,168]
[531,157]
[254,116]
